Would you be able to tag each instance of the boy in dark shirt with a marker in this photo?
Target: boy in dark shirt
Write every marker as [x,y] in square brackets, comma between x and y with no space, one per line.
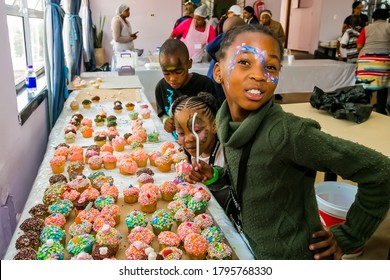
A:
[175,64]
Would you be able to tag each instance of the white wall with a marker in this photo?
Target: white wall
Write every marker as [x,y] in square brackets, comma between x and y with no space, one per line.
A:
[22,147]
[154,19]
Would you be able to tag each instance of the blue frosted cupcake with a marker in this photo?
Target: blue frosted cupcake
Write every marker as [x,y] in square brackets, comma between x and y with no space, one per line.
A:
[213,234]
[51,250]
[135,219]
[103,200]
[63,207]
[80,243]
[161,221]
[52,232]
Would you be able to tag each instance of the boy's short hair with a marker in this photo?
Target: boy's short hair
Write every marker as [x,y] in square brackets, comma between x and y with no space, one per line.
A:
[174,47]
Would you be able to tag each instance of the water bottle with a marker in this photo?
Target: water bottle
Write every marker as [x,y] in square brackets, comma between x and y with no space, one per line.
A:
[31,81]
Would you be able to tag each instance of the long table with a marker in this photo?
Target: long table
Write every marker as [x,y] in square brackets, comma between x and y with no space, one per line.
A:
[373,133]
[154,123]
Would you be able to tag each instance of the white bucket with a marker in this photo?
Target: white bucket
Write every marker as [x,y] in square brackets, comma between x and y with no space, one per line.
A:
[334,200]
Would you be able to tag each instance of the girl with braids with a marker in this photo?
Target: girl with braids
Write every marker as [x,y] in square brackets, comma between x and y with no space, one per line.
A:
[272,158]
[210,150]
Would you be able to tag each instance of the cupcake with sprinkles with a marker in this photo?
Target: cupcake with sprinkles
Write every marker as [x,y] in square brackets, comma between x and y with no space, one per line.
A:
[219,251]
[52,232]
[144,178]
[82,256]
[56,219]
[103,200]
[175,205]
[186,228]
[138,251]
[110,190]
[102,252]
[61,206]
[148,201]
[136,218]
[204,220]
[161,221]
[109,236]
[146,170]
[183,195]
[131,194]
[171,253]
[80,227]
[213,234]
[141,234]
[197,203]
[168,189]
[89,214]
[184,215]
[102,220]
[32,224]
[51,250]
[27,253]
[80,243]
[168,239]
[71,195]
[39,211]
[114,211]
[196,246]
[28,239]
[206,195]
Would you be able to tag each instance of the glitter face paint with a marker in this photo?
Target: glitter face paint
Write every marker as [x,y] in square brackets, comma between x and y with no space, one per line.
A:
[199,125]
[259,55]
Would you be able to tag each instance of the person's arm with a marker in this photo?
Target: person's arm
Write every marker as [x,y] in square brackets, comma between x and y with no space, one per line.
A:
[211,34]
[361,39]
[344,40]
[117,33]
[181,29]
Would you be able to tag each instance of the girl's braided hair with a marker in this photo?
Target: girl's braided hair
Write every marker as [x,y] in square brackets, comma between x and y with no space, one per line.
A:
[203,101]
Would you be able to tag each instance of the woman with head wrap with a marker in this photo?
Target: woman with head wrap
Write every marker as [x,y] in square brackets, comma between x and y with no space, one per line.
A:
[273,25]
[122,34]
[196,33]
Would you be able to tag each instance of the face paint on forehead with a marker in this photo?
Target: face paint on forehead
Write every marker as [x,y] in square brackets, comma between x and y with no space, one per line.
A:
[259,55]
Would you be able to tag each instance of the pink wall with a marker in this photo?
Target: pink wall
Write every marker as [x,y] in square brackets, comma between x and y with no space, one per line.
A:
[154,20]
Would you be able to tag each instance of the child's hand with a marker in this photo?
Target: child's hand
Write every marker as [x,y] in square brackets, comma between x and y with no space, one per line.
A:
[200,172]
[329,242]
[169,125]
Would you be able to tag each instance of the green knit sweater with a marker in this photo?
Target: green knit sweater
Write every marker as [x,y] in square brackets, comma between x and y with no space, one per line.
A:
[278,205]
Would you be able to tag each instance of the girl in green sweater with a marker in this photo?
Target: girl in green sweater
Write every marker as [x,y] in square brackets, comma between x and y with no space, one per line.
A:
[272,158]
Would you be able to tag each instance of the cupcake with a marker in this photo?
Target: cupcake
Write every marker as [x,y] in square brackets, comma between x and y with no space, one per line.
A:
[86,103]
[27,253]
[39,211]
[168,189]
[111,119]
[137,251]
[213,234]
[131,194]
[90,194]
[102,220]
[197,203]
[95,99]
[136,124]
[145,179]
[145,113]
[76,166]
[141,133]
[110,237]
[178,157]
[153,156]
[127,167]
[76,158]
[79,184]
[111,190]
[53,232]
[102,252]
[146,170]
[165,145]
[95,162]
[171,253]
[129,106]
[161,221]
[69,128]
[118,143]
[133,115]
[196,246]
[80,243]
[55,219]
[103,200]
[82,256]
[186,228]
[99,120]
[80,204]
[101,180]
[107,148]
[175,205]
[80,227]
[140,157]
[136,218]
[205,193]
[183,195]
[70,137]
[204,220]
[32,224]
[100,139]
[114,211]
[61,206]
[153,136]
[28,239]
[54,192]
[89,213]
[90,153]
[163,164]
[86,131]
[86,122]
[219,251]
[74,105]
[168,239]
[109,161]
[71,195]
[184,215]
[57,164]
[118,109]
[142,234]
[147,201]
[51,250]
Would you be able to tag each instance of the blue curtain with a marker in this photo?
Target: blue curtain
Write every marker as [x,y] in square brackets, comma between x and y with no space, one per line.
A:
[76,38]
[56,73]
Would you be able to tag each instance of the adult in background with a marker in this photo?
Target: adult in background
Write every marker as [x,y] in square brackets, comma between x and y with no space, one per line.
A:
[357,8]
[196,33]
[188,12]
[249,15]
[234,10]
[122,34]
[373,65]
[273,25]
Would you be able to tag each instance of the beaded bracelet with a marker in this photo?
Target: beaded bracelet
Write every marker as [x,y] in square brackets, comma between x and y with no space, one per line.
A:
[214,179]
[165,119]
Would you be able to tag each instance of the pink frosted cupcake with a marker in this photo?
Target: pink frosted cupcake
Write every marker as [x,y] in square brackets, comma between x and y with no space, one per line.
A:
[109,236]
[86,122]
[140,157]
[95,162]
[145,178]
[141,133]
[109,161]
[142,234]
[55,219]
[71,195]
[186,228]
[204,220]
[205,194]
[147,201]
[153,156]
[57,164]
[131,194]
[89,214]
[184,215]
[127,167]
[171,253]
[111,190]
[79,184]
[145,113]
[196,246]
[165,145]
[136,124]
[138,251]
[102,220]
[61,151]
[118,143]
[90,194]
[168,189]
[80,227]
[168,239]
[107,148]
[112,210]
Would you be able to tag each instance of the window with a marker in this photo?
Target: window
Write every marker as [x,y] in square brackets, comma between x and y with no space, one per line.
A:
[25,19]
